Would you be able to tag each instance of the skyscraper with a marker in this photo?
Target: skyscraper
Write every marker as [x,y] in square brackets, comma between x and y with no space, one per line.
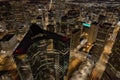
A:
[92,34]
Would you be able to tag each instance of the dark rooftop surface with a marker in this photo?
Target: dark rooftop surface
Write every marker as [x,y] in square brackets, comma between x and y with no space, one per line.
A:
[7,37]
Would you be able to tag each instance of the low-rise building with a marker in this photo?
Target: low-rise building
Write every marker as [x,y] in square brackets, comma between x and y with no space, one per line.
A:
[8,42]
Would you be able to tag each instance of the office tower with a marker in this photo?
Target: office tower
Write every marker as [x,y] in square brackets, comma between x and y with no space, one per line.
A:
[102,35]
[48,64]
[92,34]
[43,63]
[113,69]
[75,38]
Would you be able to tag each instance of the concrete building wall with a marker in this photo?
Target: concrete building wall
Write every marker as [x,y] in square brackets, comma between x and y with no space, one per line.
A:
[10,44]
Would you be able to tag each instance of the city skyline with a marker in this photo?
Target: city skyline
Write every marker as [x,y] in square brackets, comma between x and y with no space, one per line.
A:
[59,40]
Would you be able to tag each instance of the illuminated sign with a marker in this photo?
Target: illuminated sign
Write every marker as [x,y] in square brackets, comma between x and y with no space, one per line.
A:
[86,25]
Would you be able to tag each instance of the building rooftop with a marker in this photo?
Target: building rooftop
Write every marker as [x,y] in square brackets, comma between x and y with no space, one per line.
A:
[7,37]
